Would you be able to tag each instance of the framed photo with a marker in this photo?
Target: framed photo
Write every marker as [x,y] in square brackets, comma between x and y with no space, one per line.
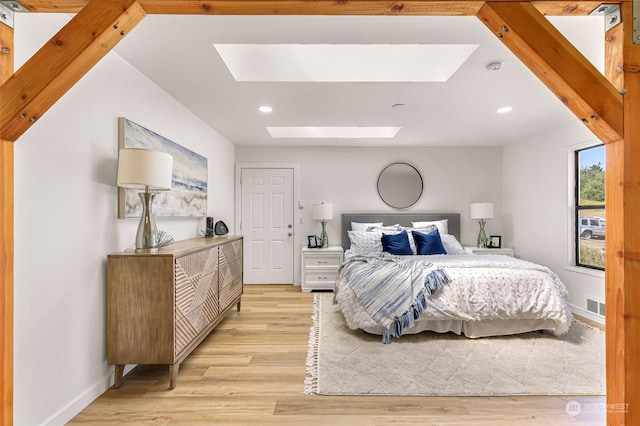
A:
[495,241]
[313,241]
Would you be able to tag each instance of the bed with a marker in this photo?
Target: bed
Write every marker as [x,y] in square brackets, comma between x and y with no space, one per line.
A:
[469,294]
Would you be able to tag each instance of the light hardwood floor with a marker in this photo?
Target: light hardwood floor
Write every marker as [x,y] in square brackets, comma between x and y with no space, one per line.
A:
[250,371]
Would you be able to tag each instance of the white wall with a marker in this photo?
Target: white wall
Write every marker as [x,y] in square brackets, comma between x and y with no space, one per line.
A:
[538,213]
[65,223]
[346,177]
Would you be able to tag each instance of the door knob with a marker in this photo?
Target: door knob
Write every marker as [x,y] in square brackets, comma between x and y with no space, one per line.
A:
[290,226]
[290,233]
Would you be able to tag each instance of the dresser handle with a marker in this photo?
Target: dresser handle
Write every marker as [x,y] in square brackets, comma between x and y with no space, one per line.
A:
[322,261]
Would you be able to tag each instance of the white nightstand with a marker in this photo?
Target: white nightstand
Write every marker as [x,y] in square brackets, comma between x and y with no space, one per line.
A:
[320,267]
[486,250]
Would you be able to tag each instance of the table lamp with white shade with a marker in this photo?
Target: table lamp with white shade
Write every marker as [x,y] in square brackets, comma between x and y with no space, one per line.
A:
[323,212]
[150,171]
[480,212]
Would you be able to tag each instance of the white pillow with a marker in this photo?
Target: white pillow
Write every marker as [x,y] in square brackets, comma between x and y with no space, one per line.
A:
[424,230]
[364,242]
[361,226]
[451,244]
[412,243]
[368,242]
[442,225]
[389,228]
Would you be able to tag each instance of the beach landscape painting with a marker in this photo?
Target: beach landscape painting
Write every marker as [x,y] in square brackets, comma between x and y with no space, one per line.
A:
[188,194]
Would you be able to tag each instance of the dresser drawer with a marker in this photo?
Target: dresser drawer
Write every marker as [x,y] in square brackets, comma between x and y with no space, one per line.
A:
[321,276]
[311,260]
[199,263]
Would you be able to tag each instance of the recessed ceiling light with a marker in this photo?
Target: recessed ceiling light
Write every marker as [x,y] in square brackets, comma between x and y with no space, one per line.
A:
[265,108]
[333,132]
[504,109]
[344,62]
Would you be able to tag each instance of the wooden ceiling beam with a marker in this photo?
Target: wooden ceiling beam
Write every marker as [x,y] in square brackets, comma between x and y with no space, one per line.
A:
[568,8]
[622,295]
[558,64]
[62,61]
[317,7]
[6,242]
[613,54]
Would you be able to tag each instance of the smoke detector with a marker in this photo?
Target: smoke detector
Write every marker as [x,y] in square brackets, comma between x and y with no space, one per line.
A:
[494,66]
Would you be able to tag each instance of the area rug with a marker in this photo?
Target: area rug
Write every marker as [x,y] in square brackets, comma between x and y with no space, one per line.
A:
[341,361]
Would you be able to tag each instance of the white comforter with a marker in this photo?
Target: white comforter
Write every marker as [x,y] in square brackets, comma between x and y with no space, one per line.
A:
[482,287]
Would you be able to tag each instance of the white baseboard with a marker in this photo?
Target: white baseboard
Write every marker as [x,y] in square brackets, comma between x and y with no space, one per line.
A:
[586,314]
[69,411]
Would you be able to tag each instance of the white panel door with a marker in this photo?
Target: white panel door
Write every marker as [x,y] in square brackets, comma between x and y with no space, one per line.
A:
[267,225]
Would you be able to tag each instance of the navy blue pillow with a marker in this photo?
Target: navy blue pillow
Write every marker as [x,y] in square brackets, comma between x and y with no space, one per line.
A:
[428,243]
[396,243]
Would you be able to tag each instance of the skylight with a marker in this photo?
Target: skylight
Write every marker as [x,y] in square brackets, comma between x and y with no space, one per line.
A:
[344,62]
[333,132]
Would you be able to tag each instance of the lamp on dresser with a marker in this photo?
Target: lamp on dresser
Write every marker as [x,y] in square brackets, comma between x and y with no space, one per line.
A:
[323,212]
[150,171]
[480,212]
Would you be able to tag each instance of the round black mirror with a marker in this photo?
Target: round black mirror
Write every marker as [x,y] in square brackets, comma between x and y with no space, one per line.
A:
[400,185]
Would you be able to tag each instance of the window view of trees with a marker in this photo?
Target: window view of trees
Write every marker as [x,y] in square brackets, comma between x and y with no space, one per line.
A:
[592,184]
[590,207]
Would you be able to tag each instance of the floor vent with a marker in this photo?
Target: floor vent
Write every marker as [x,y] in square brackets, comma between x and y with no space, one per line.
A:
[595,307]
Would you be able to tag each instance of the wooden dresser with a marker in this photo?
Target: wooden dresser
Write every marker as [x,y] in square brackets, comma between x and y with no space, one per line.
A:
[160,306]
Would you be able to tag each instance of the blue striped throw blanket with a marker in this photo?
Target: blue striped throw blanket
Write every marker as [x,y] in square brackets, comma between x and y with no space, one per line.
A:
[392,289]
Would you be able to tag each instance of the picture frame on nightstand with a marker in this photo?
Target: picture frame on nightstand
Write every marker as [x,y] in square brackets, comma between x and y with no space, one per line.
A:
[495,241]
[312,241]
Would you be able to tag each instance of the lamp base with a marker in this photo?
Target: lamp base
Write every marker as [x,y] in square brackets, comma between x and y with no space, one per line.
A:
[324,240]
[146,250]
[482,237]
[147,235]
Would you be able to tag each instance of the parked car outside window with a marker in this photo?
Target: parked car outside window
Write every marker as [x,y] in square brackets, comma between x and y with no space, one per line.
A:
[591,227]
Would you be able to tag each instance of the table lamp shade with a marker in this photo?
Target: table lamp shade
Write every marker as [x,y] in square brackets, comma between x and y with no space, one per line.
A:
[143,168]
[481,211]
[323,211]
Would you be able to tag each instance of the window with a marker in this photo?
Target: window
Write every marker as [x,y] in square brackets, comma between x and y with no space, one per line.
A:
[590,208]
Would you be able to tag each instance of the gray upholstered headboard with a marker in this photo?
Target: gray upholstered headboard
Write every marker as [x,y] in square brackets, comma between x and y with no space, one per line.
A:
[403,219]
